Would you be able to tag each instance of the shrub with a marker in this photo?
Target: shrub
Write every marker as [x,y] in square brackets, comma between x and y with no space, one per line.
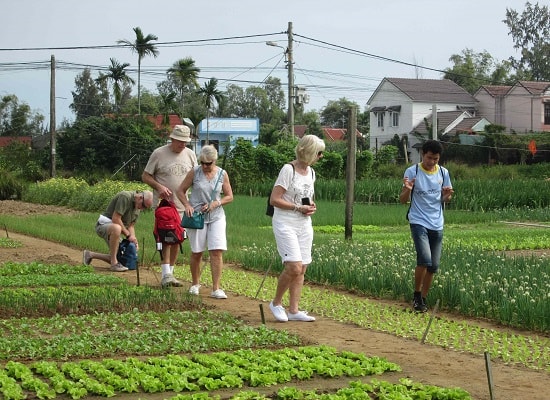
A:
[11,186]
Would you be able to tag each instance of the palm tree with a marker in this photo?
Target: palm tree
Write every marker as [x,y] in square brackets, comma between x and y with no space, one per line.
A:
[143,47]
[211,94]
[184,72]
[117,75]
[167,106]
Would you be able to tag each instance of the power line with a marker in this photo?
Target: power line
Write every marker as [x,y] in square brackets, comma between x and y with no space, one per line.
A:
[365,54]
[344,83]
[157,44]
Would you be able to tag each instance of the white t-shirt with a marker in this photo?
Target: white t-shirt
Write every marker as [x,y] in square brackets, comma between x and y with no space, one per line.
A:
[296,187]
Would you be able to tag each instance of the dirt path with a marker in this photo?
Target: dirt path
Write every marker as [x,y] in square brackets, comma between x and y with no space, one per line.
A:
[424,363]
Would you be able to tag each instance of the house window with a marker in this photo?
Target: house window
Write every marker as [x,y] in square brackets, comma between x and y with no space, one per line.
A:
[380,117]
[394,119]
[546,113]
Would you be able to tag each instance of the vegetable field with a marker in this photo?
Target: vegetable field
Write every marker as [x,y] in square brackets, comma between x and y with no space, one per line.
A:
[72,331]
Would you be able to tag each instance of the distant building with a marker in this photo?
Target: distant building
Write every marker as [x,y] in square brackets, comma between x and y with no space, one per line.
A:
[224,132]
[403,107]
[333,135]
[523,107]
[6,140]
[158,121]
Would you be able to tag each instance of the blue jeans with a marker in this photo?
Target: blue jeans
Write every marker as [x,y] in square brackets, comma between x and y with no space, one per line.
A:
[428,244]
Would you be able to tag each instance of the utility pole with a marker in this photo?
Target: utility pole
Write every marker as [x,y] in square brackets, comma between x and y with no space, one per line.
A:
[52,117]
[351,171]
[434,121]
[290,81]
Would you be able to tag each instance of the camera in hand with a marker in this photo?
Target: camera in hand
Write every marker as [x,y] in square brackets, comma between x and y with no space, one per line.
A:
[305,201]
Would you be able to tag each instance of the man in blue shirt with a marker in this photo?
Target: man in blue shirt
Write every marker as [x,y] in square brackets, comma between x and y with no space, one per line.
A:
[427,186]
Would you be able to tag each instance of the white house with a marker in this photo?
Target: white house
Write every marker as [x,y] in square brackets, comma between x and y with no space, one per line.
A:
[453,122]
[523,107]
[403,106]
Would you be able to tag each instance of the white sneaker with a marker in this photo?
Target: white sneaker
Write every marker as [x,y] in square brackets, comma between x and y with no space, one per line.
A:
[218,294]
[278,312]
[194,290]
[300,316]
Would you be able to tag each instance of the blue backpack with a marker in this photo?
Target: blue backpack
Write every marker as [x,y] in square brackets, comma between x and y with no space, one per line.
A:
[127,254]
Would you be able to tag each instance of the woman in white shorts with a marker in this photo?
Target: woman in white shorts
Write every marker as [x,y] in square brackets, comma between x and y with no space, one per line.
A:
[293,201]
[207,183]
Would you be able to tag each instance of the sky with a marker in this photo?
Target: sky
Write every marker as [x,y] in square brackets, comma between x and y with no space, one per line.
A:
[340,49]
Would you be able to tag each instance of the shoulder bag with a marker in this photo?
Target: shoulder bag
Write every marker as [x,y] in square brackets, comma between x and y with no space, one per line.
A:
[196,221]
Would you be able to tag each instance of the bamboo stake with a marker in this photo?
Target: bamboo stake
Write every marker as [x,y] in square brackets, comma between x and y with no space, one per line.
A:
[430,321]
[489,374]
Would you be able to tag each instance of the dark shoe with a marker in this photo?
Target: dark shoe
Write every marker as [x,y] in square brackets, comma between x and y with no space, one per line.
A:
[419,305]
[86,258]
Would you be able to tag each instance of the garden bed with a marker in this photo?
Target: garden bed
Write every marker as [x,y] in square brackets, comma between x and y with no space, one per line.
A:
[423,363]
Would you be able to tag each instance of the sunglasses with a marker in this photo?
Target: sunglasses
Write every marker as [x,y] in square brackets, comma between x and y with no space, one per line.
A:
[207,163]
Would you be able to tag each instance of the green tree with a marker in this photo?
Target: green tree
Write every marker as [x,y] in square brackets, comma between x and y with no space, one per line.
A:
[269,134]
[117,75]
[387,155]
[167,106]
[335,114]
[472,70]
[90,99]
[363,126]
[151,104]
[530,33]
[330,166]
[184,73]
[311,119]
[17,119]
[23,161]
[364,162]
[257,104]
[241,163]
[235,99]
[211,96]
[264,102]
[143,47]
[276,99]
[107,144]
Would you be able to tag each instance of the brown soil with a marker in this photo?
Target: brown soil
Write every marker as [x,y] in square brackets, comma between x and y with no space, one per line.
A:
[421,362]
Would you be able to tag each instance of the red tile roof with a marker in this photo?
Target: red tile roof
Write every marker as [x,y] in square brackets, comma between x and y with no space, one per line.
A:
[173,120]
[5,140]
[336,134]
